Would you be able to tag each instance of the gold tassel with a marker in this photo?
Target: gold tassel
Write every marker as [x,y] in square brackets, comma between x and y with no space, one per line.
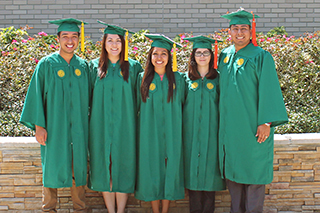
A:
[174,63]
[126,48]
[82,37]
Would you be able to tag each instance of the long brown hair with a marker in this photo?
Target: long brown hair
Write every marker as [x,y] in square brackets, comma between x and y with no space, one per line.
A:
[149,75]
[104,59]
[193,70]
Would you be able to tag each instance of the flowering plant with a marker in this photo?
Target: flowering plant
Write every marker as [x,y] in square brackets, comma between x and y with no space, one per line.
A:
[297,61]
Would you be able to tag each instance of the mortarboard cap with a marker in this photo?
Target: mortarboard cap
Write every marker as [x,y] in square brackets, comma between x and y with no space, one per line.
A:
[240,16]
[159,40]
[68,24]
[113,29]
[202,42]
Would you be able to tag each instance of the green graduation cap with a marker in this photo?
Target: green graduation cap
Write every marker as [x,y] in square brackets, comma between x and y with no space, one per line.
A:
[162,41]
[113,29]
[202,42]
[241,16]
[68,24]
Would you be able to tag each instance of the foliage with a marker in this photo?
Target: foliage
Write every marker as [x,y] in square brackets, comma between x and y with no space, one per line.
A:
[297,61]
[277,31]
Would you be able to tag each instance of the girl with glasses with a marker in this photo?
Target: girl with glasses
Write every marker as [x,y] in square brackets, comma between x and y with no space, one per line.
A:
[200,127]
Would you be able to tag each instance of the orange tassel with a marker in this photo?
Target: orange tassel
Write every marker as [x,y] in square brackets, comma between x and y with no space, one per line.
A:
[215,60]
[254,38]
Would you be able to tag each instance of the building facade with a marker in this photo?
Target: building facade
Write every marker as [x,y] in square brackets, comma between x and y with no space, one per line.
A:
[170,17]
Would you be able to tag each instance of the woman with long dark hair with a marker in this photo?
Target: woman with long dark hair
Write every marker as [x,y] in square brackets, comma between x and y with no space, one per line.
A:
[112,144]
[200,127]
[160,99]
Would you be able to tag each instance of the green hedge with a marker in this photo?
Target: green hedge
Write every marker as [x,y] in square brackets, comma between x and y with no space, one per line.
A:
[297,60]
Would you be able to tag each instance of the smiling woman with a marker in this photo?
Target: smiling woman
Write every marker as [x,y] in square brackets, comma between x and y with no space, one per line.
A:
[112,154]
[200,127]
[159,59]
[113,45]
[160,97]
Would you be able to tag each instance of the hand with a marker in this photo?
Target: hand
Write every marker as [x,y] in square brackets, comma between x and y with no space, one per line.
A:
[263,132]
[41,135]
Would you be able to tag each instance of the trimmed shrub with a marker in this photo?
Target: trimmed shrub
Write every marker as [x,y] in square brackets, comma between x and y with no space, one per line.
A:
[297,61]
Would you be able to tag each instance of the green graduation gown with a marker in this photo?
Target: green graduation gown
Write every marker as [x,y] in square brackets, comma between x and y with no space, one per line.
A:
[160,138]
[58,100]
[250,96]
[113,128]
[200,135]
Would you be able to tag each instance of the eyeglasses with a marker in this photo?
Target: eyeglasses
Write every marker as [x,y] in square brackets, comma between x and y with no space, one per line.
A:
[199,54]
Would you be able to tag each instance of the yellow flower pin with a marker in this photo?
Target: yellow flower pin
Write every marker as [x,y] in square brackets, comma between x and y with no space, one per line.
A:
[210,85]
[152,86]
[121,73]
[61,73]
[77,72]
[240,61]
[174,86]
[194,85]
[226,59]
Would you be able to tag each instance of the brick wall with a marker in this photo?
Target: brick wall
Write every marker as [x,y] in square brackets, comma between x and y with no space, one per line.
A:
[170,17]
[295,188]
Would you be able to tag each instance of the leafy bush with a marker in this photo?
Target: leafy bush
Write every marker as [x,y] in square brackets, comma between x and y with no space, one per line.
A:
[297,61]
[277,31]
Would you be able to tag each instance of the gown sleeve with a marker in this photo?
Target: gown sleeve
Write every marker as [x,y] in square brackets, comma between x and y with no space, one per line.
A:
[138,93]
[183,87]
[33,112]
[271,106]
[93,75]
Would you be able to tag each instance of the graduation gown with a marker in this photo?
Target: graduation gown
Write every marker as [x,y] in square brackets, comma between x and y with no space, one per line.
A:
[250,96]
[160,161]
[200,135]
[113,128]
[58,100]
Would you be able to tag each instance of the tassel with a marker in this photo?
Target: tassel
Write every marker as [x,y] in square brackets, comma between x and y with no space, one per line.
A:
[254,39]
[174,63]
[82,37]
[215,60]
[126,48]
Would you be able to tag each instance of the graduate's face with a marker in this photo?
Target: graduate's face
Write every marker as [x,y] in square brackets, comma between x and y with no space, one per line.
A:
[159,58]
[113,45]
[68,42]
[240,35]
[202,56]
